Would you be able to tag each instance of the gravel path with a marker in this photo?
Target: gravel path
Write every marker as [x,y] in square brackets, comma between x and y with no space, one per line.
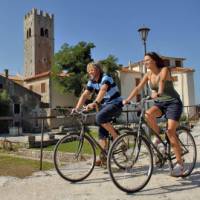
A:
[48,185]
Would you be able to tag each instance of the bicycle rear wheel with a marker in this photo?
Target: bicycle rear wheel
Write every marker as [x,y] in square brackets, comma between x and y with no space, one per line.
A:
[74,157]
[137,163]
[189,151]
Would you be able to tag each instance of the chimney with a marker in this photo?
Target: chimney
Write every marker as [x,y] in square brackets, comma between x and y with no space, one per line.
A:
[6,73]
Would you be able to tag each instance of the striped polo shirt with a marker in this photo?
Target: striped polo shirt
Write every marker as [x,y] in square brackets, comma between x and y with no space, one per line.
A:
[112,95]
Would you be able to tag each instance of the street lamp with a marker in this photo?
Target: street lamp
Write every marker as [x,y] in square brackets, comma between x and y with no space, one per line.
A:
[143,34]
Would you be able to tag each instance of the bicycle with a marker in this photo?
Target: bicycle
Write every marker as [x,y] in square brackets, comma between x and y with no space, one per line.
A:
[138,157]
[75,154]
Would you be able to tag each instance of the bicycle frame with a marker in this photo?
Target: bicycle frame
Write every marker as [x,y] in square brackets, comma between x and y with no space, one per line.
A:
[85,131]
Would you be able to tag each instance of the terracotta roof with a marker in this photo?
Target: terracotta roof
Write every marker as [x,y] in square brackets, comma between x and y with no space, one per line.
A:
[47,73]
[127,70]
[181,69]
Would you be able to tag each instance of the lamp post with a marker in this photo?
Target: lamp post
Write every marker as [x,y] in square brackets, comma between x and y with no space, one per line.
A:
[143,34]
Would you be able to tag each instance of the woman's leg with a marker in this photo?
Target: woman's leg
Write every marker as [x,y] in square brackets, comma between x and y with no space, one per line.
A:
[151,115]
[171,133]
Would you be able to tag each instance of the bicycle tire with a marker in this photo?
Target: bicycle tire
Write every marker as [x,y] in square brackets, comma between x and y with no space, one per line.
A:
[189,151]
[139,163]
[68,164]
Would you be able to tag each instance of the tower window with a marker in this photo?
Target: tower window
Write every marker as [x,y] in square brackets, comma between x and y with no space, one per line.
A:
[42,32]
[29,32]
[46,33]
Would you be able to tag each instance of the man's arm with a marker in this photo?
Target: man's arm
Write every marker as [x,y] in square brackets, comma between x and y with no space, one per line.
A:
[101,93]
[99,98]
[83,98]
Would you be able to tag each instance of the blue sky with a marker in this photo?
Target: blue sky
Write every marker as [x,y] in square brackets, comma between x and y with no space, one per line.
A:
[112,26]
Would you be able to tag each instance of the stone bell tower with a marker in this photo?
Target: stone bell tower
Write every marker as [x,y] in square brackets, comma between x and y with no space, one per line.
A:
[38,42]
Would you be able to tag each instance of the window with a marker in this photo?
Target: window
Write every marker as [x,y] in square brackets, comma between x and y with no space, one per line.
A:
[43,87]
[1,86]
[42,32]
[137,81]
[16,108]
[46,33]
[29,32]
[166,62]
[178,63]
[175,78]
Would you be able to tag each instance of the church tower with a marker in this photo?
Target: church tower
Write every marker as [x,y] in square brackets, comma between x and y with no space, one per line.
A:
[38,42]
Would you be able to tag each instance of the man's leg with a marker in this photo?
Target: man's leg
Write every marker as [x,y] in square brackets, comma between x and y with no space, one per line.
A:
[108,126]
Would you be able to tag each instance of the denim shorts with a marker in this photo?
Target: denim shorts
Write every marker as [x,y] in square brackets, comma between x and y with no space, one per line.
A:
[106,114]
[171,109]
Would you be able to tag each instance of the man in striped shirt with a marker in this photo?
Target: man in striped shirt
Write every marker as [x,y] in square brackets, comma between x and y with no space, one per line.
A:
[108,100]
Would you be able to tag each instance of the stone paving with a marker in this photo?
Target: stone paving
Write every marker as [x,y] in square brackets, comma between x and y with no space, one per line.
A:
[48,185]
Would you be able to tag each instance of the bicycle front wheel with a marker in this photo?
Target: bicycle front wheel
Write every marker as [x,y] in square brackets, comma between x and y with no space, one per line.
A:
[188,149]
[74,157]
[137,163]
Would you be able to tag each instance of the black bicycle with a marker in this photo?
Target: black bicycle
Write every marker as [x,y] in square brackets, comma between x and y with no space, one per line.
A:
[138,155]
[75,153]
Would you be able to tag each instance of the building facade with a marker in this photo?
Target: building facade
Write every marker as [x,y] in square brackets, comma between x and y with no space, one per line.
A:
[22,106]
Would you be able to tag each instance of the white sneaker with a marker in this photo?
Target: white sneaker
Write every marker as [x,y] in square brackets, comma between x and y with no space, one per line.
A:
[156,141]
[178,170]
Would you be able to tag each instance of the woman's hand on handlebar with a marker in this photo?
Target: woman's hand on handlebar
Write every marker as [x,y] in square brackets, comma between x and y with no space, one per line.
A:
[125,101]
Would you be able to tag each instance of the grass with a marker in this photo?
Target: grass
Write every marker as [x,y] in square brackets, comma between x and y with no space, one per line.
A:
[20,167]
[73,146]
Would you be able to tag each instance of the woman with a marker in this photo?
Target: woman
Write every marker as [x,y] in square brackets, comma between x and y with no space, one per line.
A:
[167,102]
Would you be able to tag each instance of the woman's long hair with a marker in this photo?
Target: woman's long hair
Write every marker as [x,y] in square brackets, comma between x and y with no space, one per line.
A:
[159,61]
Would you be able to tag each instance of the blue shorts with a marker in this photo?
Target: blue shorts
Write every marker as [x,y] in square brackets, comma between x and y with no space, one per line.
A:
[171,109]
[106,114]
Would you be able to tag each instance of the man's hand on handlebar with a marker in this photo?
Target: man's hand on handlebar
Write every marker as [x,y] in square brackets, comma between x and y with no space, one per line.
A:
[91,106]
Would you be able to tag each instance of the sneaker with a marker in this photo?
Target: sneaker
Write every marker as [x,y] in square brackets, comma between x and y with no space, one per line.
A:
[156,141]
[178,170]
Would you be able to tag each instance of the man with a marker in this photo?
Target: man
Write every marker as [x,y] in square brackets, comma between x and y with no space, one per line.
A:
[108,100]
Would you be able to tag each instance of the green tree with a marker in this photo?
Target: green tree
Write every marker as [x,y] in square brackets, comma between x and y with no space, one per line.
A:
[74,60]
